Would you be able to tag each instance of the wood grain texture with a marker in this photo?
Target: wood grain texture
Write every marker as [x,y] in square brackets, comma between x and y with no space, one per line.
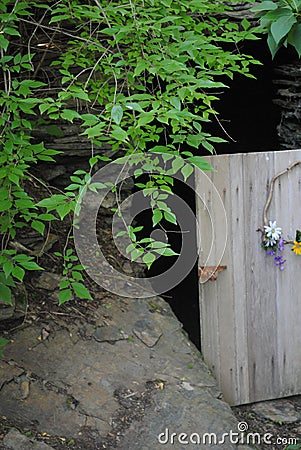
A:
[250,316]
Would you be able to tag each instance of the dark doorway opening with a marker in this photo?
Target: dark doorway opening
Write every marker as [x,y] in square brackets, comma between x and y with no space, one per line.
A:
[247,110]
[183,298]
[249,115]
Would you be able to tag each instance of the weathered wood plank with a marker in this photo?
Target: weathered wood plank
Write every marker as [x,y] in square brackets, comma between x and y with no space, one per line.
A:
[236,220]
[208,309]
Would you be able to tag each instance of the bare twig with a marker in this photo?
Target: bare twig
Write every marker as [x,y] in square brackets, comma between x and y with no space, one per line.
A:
[54,29]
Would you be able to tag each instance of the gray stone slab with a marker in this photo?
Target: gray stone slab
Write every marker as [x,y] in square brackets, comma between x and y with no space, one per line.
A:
[109,334]
[147,331]
[173,413]
[48,411]
[280,411]
[8,371]
[47,280]
[74,381]
[14,440]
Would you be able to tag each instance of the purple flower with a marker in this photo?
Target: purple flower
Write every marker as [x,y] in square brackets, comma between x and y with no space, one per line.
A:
[279,261]
[271,252]
[281,245]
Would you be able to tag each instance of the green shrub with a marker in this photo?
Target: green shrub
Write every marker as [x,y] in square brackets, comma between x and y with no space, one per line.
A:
[137,76]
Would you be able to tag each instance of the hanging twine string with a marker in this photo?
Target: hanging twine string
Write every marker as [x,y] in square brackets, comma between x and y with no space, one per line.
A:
[272,186]
[271,192]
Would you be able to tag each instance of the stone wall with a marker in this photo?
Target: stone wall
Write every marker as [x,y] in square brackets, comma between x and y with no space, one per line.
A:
[288,98]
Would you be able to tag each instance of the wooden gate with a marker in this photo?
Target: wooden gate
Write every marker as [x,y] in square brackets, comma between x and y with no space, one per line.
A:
[251,314]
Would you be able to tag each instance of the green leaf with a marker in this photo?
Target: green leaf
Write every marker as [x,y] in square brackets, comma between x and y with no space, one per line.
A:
[136,229]
[282,26]
[121,233]
[136,253]
[38,226]
[200,162]
[119,134]
[64,296]
[177,164]
[194,140]
[11,31]
[8,266]
[130,247]
[148,259]
[18,273]
[169,252]
[30,265]
[272,45]
[117,114]
[216,139]
[5,293]
[90,119]
[63,210]
[145,118]
[170,217]
[163,206]
[64,283]
[80,290]
[78,92]
[157,216]
[52,202]
[77,275]
[176,103]
[14,178]
[46,217]
[264,6]
[186,171]
[158,244]
[97,130]
[24,203]
[134,107]
[5,205]
[140,67]
[3,42]
[294,38]
[208,146]
[276,14]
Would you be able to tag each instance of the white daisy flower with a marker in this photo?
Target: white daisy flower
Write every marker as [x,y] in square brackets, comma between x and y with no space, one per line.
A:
[272,232]
[270,242]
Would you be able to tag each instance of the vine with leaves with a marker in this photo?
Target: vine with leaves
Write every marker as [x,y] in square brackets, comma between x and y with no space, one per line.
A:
[136,77]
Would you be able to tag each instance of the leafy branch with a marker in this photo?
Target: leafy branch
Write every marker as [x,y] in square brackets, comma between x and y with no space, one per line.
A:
[135,78]
[282,21]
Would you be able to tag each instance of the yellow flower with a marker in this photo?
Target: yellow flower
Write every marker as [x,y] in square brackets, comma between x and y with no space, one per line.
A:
[297,248]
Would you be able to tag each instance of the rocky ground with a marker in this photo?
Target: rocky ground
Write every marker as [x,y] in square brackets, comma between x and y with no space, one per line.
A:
[112,372]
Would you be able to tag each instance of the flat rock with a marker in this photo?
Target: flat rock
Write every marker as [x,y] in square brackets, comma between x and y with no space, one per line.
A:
[109,201]
[79,382]
[49,411]
[279,411]
[8,372]
[14,440]
[47,280]
[109,334]
[177,411]
[6,310]
[147,331]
